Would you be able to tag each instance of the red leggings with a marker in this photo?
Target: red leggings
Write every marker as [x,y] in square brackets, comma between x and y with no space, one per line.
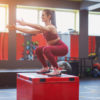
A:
[58,49]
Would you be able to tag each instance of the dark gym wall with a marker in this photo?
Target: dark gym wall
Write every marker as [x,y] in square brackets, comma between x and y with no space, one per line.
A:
[52,3]
[46,3]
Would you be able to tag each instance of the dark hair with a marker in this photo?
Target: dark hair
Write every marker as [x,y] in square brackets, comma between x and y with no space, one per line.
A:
[52,13]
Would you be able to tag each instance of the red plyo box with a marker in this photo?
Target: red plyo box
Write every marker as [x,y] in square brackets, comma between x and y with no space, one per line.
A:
[33,86]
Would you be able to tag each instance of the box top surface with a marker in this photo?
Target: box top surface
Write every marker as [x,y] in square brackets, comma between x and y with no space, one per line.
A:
[35,75]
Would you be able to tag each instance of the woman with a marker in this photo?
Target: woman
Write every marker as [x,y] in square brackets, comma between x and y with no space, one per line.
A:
[55,46]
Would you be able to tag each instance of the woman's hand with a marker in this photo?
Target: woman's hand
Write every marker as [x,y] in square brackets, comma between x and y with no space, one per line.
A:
[21,22]
[11,27]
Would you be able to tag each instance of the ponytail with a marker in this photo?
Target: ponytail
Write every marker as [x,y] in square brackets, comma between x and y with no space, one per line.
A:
[53,18]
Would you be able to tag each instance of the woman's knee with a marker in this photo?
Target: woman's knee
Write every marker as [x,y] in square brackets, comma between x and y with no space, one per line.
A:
[46,50]
[38,50]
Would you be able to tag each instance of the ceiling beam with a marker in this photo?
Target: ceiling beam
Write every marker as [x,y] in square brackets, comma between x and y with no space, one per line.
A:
[94,7]
[92,0]
[87,5]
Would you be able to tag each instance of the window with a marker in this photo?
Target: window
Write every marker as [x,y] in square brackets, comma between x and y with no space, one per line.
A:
[28,14]
[3,17]
[40,20]
[94,24]
[3,30]
[66,20]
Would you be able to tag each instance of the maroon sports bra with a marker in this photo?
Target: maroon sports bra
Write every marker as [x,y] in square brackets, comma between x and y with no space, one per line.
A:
[49,36]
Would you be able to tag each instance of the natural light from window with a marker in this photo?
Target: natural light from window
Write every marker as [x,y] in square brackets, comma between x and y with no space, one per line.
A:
[94,24]
[26,14]
[65,21]
[3,17]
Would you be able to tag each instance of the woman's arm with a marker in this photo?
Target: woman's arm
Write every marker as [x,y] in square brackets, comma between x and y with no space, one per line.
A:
[29,31]
[25,30]
[36,26]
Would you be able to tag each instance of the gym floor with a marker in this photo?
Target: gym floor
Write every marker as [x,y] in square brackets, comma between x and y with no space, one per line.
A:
[89,90]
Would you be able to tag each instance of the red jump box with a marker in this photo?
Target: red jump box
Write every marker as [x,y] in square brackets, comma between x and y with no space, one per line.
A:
[32,86]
